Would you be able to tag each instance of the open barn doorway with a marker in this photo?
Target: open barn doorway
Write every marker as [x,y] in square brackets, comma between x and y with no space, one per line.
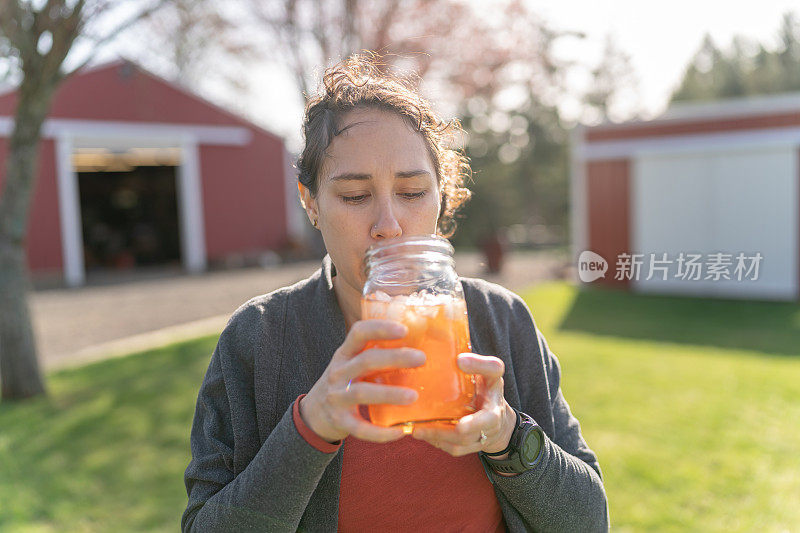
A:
[129,209]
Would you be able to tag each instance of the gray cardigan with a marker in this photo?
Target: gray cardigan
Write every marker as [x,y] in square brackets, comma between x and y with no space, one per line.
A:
[252,471]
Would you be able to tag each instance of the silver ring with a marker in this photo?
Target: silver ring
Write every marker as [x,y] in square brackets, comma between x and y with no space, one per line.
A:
[347,389]
[483,437]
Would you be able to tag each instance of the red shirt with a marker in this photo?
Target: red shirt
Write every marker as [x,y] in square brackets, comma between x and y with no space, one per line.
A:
[408,485]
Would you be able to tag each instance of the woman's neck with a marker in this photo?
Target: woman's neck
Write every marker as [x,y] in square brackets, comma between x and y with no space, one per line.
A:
[349,301]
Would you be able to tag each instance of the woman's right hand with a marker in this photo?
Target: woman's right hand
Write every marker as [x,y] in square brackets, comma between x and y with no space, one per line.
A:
[330,408]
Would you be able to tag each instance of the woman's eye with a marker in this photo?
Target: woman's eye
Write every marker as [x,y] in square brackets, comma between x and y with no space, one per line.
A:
[354,199]
[413,195]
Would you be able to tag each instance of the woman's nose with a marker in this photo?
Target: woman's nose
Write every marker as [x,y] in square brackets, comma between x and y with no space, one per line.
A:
[386,226]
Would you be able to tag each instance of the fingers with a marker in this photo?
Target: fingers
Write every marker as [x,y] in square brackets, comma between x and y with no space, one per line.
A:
[364,331]
[378,359]
[485,365]
[375,359]
[363,430]
[364,393]
[448,440]
[487,420]
[488,372]
[338,399]
[466,432]
[464,437]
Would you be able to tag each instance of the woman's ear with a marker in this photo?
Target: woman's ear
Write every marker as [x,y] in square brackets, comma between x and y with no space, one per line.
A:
[309,203]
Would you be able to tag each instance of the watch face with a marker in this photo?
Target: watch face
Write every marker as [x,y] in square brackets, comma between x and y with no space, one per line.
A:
[530,447]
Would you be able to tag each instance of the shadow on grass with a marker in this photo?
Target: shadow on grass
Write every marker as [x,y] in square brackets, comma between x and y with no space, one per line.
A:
[769,327]
[107,447]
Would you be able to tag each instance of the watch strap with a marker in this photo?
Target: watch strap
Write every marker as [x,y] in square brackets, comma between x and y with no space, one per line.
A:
[526,434]
[515,464]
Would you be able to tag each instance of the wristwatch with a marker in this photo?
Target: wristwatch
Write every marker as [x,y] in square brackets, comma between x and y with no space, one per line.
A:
[524,449]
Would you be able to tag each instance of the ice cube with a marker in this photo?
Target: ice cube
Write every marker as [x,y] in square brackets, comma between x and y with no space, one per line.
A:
[427,311]
[380,296]
[429,299]
[452,310]
[375,309]
[395,310]
[415,298]
[414,319]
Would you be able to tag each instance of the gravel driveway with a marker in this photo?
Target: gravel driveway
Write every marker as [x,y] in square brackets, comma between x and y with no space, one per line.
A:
[122,313]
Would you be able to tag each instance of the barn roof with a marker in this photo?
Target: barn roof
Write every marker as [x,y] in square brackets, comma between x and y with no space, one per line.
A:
[731,114]
[122,91]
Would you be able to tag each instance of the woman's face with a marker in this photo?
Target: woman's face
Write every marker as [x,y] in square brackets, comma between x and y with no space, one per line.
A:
[377,182]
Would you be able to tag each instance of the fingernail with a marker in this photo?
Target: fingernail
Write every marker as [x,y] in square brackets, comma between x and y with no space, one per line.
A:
[418,357]
[399,329]
[411,396]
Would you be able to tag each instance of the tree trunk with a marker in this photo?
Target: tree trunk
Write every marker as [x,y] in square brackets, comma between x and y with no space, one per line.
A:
[19,368]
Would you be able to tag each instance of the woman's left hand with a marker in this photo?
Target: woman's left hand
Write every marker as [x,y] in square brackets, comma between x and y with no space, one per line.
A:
[495,419]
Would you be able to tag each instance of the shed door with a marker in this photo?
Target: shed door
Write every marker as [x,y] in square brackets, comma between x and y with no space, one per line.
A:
[743,200]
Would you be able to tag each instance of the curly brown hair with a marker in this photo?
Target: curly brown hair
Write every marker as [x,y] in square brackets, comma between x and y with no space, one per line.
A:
[359,82]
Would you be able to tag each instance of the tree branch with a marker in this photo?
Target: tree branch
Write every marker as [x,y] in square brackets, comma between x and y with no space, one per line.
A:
[115,32]
[65,31]
[12,14]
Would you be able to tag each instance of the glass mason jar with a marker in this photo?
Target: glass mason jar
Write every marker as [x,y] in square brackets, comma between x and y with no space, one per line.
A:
[412,280]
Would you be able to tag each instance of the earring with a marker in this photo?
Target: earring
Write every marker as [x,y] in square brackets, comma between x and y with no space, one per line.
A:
[314,223]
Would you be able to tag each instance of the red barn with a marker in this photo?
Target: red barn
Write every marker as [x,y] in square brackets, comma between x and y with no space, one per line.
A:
[704,200]
[135,171]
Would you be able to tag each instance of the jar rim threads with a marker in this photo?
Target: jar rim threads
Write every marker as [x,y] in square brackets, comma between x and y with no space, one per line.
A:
[424,248]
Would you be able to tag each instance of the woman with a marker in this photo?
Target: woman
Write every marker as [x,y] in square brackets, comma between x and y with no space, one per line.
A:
[278,443]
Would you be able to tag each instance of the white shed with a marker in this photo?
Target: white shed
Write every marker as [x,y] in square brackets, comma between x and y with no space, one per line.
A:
[711,186]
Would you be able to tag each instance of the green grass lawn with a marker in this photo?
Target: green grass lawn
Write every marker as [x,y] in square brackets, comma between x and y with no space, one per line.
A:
[693,407]
[107,450]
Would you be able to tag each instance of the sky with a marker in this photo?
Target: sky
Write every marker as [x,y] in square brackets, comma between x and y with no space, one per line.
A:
[659,40]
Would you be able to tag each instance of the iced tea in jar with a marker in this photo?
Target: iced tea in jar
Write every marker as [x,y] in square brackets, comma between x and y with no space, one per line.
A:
[412,280]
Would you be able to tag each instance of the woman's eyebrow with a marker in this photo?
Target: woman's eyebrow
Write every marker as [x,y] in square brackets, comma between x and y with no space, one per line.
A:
[412,173]
[362,177]
[351,176]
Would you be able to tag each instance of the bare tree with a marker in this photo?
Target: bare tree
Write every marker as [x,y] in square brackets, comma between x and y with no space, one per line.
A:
[37,36]
[492,63]
[193,40]
[613,85]
[462,48]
